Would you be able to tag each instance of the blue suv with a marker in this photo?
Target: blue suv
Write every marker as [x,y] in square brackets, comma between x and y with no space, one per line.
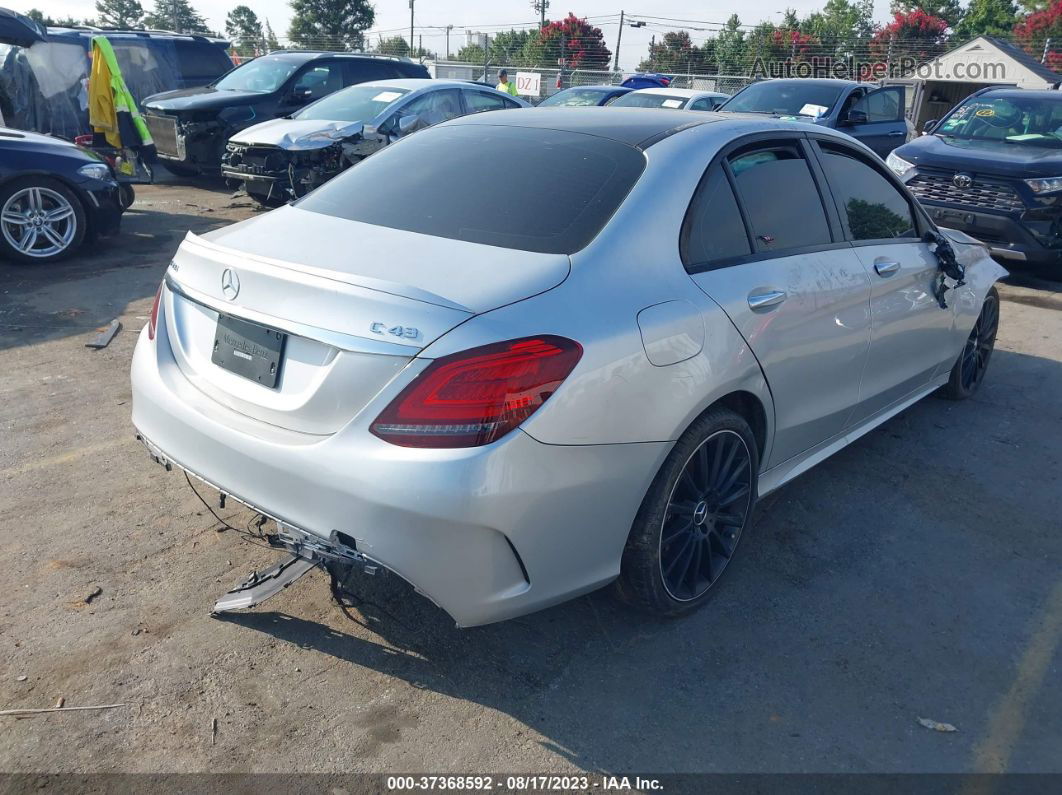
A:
[872,115]
[993,168]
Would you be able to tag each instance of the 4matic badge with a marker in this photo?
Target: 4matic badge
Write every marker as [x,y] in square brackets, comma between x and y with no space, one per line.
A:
[407,332]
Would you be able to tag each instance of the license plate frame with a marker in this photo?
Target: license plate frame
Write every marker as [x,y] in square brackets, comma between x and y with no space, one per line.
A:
[249,350]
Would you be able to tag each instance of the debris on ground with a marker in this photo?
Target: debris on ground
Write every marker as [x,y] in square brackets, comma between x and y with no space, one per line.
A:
[59,702]
[17,713]
[936,726]
[22,678]
[104,335]
[213,730]
[96,591]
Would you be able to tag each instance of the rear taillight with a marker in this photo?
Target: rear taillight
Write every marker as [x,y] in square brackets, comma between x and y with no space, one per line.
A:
[476,396]
[154,319]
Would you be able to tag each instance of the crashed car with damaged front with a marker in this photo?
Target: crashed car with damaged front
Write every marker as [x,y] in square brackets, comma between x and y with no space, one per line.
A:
[283,159]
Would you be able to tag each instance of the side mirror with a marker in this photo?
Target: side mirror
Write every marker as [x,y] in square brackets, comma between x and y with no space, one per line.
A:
[856,117]
[408,124]
[929,125]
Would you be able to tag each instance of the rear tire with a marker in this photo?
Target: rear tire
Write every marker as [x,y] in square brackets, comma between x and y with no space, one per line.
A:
[690,522]
[968,372]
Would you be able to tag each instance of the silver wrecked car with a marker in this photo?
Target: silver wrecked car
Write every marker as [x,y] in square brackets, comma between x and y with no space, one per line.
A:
[281,159]
[514,386]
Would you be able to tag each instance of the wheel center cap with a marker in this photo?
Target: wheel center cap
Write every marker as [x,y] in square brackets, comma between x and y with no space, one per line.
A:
[700,513]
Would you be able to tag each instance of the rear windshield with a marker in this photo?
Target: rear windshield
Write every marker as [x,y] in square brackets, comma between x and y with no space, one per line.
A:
[547,191]
[640,99]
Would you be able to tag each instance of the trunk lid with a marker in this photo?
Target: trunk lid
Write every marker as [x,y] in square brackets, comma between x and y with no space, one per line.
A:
[356,301]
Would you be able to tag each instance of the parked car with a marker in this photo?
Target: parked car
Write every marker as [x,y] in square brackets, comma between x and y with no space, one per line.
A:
[647,80]
[192,127]
[874,116]
[53,197]
[44,69]
[672,98]
[584,96]
[514,390]
[282,159]
[993,168]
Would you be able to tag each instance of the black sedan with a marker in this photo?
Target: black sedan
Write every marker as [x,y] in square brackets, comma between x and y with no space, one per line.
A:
[53,196]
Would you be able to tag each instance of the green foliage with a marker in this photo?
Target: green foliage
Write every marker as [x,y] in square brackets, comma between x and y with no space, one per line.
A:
[243,27]
[395,45]
[62,22]
[270,37]
[120,14]
[987,18]
[331,23]
[175,15]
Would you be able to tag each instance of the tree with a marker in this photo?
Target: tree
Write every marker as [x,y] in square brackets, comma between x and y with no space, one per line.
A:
[676,52]
[395,45]
[64,22]
[987,18]
[120,13]
[244,29]
[915,36]
[1034,31]
[331,22]
[581,45]
[271,42]
[948,10]
[731,49]
[177,15]
[840,26]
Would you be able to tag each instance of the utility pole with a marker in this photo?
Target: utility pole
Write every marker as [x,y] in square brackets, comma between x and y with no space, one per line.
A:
[176,26]
[448,29]
[1047,49]
[619,38]
[411,27]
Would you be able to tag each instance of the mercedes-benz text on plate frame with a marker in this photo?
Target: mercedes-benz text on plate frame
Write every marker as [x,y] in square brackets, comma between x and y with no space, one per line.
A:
[508,410]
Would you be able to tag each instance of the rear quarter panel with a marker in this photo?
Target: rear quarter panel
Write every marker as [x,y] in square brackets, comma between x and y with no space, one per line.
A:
[615,394]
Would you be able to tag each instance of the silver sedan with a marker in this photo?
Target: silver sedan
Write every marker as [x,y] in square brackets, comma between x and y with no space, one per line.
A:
[520,356]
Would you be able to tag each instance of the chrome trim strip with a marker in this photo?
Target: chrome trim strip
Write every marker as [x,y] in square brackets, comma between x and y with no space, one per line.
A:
[344,342]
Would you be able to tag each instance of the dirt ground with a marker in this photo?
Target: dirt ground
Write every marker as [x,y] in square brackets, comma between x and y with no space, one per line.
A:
[918,573]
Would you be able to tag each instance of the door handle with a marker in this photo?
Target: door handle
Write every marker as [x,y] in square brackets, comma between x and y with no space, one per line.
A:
[886,267]
[766,299]
[897,134]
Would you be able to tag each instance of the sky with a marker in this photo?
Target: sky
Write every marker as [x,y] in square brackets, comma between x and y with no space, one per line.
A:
[392,17]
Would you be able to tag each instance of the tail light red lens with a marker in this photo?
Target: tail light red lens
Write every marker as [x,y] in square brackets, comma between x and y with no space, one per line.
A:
[476,396]
[154,319]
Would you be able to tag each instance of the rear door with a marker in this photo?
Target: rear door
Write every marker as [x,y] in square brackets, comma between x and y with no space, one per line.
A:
[885,127]
[910,333]
[483,101]
[760,241]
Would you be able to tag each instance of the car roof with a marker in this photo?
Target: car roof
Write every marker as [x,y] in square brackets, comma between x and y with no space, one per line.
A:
[637,127]
[596,88]
[632,126]
[819,81]
[1019,93]
[308,55]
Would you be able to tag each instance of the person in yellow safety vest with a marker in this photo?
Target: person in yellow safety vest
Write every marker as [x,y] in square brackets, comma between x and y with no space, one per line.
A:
[504,84]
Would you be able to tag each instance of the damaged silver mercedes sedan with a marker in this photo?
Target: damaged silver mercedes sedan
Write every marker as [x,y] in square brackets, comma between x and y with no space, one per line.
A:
[282,159]
[511,389]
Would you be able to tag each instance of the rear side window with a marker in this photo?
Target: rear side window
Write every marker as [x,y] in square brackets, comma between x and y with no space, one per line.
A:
[780,198]
[199,61]
[480,102]
[362,71]
[713,230]
[564,189]
[871,207]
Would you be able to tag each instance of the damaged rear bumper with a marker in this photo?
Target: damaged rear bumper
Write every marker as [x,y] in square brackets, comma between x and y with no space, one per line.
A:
[486,533]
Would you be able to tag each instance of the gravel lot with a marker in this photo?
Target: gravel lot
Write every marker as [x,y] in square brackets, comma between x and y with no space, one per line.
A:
[915,574]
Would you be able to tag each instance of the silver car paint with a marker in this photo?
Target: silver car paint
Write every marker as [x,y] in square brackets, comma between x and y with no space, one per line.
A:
[659,348]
